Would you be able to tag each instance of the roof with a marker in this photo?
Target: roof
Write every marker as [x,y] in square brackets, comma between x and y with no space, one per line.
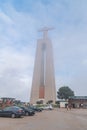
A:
[78,97]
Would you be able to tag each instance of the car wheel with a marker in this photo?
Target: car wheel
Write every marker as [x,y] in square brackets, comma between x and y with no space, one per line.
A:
[13,115]
[26,114]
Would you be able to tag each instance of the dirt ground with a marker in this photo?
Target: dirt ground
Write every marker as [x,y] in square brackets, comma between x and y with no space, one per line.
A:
[57,119]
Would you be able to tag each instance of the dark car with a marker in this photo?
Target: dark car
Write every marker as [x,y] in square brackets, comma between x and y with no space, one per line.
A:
[12,111]
[27,111]
[35,108]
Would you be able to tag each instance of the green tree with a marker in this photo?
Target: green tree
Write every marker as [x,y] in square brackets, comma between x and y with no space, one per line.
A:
[50,101]
[64,92]
[40,102]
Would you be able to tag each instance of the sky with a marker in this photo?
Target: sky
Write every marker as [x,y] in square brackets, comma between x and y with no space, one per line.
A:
[20,21]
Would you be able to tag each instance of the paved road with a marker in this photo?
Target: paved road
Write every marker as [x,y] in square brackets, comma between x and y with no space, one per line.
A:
[58,119]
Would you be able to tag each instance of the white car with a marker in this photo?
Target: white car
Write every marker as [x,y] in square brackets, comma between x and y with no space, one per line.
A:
[48,107]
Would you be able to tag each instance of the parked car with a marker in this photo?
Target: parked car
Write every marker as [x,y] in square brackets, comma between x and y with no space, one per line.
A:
[12,111]
[35,108]
[48,107]
[28,112]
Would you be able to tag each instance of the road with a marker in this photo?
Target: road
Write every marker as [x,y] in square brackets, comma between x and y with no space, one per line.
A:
[57,119]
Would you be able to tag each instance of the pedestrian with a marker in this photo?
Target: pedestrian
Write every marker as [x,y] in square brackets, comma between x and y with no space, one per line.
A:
[67,107]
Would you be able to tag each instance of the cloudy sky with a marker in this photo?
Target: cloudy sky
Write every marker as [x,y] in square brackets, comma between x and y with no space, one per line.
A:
[19,24]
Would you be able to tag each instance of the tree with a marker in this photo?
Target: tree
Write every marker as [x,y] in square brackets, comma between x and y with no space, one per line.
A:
[40,102]
[64,92]
[50,101]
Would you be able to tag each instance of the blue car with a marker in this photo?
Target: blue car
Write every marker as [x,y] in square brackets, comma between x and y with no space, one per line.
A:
[28,112]
[35,108]
[12,111]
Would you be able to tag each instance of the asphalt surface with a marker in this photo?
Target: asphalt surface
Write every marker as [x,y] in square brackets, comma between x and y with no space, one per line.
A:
[57,119]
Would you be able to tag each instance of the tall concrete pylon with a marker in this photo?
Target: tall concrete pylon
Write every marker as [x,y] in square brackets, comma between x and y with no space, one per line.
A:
[43,83]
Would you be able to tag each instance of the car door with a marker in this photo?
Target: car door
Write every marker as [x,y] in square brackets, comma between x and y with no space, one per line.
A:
[1,113]
[6,112]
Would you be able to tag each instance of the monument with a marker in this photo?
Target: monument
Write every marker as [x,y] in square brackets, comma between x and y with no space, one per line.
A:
[43,83]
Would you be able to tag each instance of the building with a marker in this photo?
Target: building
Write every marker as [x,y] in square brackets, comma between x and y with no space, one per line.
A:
[43,83]
[62,103]
[78,101]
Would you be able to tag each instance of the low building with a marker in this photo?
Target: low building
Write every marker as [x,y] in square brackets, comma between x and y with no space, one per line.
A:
[78,101]
[62,103]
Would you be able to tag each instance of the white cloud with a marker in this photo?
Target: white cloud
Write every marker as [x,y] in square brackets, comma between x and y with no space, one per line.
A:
[14,73]
[16,60]
[5,19]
